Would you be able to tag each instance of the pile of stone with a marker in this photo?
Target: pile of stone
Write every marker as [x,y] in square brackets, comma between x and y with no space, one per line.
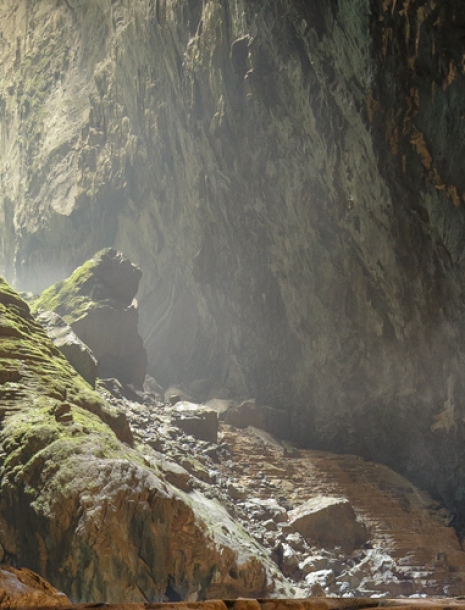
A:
[322,545]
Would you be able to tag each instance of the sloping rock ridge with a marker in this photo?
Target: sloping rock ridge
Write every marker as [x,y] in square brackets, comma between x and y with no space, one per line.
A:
[25,589]
[90,513]
[288,176]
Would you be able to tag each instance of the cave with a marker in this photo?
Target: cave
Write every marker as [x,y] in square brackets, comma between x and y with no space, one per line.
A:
[232,347]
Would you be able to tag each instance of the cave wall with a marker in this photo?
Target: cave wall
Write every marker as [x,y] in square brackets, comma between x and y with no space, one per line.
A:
[287,174]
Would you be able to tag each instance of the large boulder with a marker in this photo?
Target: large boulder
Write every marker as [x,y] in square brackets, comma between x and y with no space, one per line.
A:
[97,301]
[274,421]
[199,421]
[97,518]
[327,521]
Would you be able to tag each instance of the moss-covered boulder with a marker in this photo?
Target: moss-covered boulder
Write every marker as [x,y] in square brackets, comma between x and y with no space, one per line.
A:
[97,301]
[88,512]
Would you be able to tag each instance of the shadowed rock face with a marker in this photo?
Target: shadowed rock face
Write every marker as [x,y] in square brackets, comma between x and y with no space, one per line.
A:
[288,176]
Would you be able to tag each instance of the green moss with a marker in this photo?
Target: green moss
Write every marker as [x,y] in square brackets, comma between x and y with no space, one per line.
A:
[36,445]
[34,79]
[34,369]
[67,297]
[55,446]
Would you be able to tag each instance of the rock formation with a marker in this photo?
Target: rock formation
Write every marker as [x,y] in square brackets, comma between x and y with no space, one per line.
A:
[249,413]
[281,604]
[97,301]
[91,514]
[197,421]
[329,522]
[288,176]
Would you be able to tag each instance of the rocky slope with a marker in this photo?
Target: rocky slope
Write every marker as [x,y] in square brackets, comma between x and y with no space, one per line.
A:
[88,511]
[335,525]
[288,177]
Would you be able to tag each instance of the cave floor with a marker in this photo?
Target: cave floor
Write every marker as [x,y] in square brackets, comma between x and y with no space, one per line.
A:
[410,550]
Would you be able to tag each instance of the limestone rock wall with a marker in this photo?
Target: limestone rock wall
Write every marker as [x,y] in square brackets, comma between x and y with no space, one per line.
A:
[286,174]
